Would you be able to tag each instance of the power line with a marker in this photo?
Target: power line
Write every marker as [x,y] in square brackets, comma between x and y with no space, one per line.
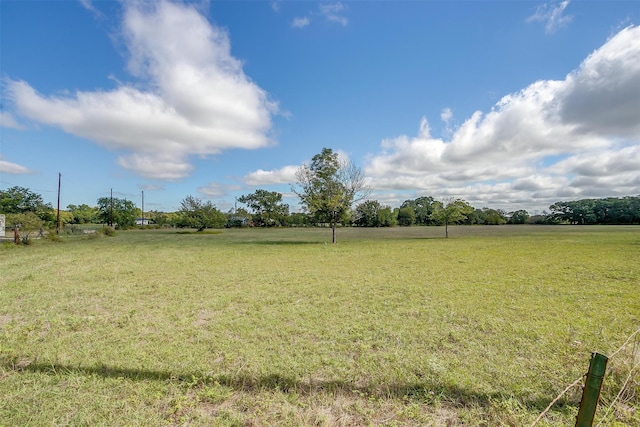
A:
[32,189]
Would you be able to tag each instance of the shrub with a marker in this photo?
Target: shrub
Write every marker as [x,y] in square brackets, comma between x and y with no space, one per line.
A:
[52,236]
[108,231]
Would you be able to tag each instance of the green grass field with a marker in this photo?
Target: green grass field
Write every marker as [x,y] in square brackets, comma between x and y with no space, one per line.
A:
[279,327]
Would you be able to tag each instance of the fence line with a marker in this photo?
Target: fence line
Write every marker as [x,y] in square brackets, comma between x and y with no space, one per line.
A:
[576,382]
[630,375]
[573,384]
[622,389]
[625,343]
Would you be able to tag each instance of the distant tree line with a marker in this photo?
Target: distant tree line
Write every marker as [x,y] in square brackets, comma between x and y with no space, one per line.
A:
[266,209]
[625,210]
[327,199]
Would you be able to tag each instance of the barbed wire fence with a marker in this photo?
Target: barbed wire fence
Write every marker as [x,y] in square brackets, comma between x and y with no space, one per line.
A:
[623,375]
[620,394]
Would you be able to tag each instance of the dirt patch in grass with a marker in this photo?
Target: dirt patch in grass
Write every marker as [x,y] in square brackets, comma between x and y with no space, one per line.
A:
[5,319]
[204,317]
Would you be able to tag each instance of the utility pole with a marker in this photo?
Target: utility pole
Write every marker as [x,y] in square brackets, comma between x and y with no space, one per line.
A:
[58,218]
[142,207]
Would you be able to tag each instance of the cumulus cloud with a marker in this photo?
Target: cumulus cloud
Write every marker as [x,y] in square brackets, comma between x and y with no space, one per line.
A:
[552,14]
[600,163]
[12,168]
[578,137]
[212,190]
[284,175]
[603,95]
[192,97]
[160,166]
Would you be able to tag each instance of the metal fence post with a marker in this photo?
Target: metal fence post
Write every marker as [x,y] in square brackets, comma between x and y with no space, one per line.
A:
[591,391]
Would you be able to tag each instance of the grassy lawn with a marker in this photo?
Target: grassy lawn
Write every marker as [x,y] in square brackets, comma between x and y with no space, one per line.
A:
[279,327]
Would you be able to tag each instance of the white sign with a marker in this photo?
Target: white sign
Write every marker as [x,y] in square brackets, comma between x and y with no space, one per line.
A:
[3,221]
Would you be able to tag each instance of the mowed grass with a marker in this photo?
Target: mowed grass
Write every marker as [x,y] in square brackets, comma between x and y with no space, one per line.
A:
[279,327]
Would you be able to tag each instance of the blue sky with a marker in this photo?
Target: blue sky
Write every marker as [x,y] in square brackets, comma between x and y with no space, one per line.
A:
[509,105]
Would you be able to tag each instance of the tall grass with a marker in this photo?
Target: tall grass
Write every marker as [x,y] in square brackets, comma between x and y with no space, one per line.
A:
[262,327]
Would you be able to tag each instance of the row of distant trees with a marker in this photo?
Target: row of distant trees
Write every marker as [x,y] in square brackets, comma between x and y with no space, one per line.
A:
[332,192]
[625,210]
[266,209]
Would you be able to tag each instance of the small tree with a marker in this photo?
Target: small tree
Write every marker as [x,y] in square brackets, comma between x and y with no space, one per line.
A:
[366,214]
[122,212]
[25,223]
[83,214]
[373,214]
[268,209]
[200,215]
[328,187]
[519,217]
[387,217]
[487,216]
[422,208]
[163,219]
[406,216]
[451,211]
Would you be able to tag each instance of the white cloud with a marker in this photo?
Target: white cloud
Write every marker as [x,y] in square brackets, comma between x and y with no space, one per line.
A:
[601,163]
[284,175]
[446,115]
[158,165]
[213,190]
[343,156]
[603,95]
[552,15]
[12,168]
[87,4]
[392,199]
[8,121]
[300,22]
[152,187]
[195,98]
[334,12]
[579,137]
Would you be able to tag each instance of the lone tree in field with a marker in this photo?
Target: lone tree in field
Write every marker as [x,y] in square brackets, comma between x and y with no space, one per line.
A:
[328,187]
[451,211]
[200,215]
